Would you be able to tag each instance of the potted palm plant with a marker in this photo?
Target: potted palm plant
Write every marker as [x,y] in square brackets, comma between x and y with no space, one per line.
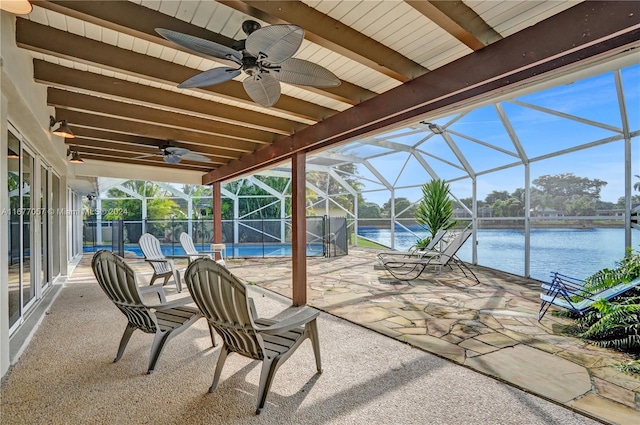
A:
[435,210]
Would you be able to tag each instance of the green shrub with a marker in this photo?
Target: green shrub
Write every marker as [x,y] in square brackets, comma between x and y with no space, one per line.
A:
[435,210]
[615,324]
[625,271]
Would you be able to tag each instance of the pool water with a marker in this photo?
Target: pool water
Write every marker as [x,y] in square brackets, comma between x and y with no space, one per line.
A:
[232,251]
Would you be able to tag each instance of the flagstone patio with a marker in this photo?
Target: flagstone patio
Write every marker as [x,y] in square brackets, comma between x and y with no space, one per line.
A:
[491,326]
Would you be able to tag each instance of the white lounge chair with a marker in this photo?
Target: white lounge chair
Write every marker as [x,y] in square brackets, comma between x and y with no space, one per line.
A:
[164,319]
[223,300]
[415,252]
[410,268]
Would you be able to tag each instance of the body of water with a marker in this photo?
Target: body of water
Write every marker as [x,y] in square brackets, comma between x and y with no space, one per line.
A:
[574,252]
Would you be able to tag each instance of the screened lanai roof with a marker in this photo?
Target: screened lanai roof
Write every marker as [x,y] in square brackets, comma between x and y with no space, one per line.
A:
[575,124]
[556,128]
[113,78]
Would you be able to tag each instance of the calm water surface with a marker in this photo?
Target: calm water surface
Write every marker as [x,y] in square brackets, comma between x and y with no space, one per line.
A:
[574,252]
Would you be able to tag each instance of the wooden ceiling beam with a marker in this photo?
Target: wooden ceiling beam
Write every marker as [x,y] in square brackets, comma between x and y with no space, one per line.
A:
[139,150]
[231,135]
[130,18]
[459,20]
[144,142]
[64,77]
[119,125]
[183,165]
[139,21]
[585,31]
[333,35]
[48,40]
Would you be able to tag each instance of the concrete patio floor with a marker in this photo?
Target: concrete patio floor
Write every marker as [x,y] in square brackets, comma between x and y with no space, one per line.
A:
[490,327]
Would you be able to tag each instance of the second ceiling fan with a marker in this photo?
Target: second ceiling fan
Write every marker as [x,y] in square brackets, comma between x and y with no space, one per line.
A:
[265,56]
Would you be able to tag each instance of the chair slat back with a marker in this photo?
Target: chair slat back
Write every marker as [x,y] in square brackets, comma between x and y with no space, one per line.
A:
[118,281]
[187,244]
[150,247]
[222,298]
[453,247]
[435,240]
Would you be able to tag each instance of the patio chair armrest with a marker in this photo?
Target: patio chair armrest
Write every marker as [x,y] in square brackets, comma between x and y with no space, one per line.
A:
[178,302]
[156,260]
[145,290]
[298,319]
[252,309]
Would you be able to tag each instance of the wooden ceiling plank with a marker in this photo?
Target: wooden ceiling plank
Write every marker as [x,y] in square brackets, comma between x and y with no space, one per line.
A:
[48,40]
[105,135]
[139,21]
[79,143]
[61,76]
[587,30]
[143,142]
[332,34]
[146,161]
[459,20]
[130,18]
[79,101]
[83,119]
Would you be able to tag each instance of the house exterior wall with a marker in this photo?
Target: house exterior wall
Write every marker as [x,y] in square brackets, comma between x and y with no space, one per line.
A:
[23,104]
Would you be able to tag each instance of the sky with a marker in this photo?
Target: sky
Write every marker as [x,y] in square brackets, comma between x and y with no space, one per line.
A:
[540,133]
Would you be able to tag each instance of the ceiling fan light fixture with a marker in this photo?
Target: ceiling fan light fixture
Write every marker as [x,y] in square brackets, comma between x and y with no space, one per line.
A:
[62,130]
[19,7]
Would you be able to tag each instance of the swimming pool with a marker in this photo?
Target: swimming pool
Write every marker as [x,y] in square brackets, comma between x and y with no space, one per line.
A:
[232,251]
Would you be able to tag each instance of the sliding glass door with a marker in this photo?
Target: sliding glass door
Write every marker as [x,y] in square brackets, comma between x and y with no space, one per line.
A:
[44,217]
[14,234]
[33,217]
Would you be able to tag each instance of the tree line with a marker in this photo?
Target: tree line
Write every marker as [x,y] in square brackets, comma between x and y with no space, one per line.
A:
[564,193]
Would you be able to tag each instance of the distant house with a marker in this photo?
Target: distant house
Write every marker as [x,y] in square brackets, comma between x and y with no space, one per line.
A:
[615,212]
[546,212]
[483,212]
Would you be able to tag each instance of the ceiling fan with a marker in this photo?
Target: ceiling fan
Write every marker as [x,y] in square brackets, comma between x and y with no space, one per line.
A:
[265,56]
[173,154]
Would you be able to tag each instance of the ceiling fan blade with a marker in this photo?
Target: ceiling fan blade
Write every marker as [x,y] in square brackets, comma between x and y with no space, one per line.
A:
[210,77]
[263,89]
[200,45]
[305,73]
[145,156]
[174,150]
[275,43]
[172,159]
[192,156]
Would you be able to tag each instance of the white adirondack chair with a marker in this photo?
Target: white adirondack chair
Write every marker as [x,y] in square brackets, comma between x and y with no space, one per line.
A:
[163,267]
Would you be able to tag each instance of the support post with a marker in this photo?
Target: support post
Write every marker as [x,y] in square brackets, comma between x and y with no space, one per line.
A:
[217,213]
[299,229]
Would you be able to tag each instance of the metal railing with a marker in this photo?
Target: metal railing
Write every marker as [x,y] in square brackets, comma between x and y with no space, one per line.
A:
[326,236]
